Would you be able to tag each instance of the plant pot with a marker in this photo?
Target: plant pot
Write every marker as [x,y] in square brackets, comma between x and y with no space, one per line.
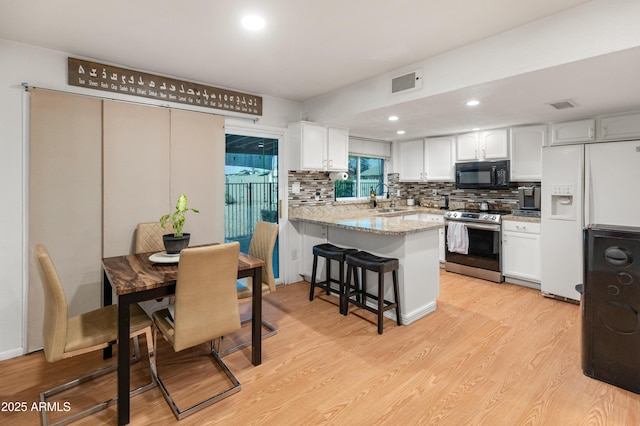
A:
[173,244]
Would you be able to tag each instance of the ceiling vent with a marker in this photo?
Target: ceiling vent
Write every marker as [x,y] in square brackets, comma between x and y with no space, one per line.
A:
[406,82]
[563,104]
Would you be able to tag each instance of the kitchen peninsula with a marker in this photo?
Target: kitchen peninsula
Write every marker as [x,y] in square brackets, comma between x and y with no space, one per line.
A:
[384,233]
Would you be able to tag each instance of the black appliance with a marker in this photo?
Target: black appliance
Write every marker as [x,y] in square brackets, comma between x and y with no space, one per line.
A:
[483,175]
[483,229]
[611,305]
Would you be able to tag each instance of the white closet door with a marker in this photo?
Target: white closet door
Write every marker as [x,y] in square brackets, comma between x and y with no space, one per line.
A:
[65,201]
[136,171]
[197,170]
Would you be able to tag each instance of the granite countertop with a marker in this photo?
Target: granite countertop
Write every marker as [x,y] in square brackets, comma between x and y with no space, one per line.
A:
[357,218]
[361,217]
[521,218]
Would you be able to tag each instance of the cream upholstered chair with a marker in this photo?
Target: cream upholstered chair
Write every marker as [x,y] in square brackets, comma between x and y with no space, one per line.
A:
[149,239]
[149,236]
[66,337]
[206,307]
[263,242]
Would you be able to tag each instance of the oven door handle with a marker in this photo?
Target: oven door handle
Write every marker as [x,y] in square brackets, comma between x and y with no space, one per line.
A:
[480,226]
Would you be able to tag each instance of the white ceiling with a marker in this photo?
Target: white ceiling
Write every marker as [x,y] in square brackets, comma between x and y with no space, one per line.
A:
[308,48]
[605,84]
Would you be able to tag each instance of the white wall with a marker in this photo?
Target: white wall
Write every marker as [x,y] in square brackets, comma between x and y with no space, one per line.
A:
[48,69]
[589,30]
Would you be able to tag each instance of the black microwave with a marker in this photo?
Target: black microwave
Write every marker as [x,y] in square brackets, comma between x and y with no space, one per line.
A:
[483,175]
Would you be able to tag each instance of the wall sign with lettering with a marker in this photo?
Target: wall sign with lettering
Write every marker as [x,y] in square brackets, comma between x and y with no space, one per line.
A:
[120,80]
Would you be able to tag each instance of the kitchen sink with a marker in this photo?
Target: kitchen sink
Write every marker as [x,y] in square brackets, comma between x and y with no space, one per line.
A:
[390,210]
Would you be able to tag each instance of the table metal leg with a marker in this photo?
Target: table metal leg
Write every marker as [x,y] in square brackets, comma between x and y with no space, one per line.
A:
[124,320]
[106,301]
[256,322]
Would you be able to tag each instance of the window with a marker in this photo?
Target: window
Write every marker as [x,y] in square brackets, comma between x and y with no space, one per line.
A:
[365,173]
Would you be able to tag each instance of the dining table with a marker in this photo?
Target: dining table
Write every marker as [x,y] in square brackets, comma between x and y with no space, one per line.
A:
[135,277]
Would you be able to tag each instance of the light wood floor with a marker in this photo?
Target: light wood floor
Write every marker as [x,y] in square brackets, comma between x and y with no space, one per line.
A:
[491,354]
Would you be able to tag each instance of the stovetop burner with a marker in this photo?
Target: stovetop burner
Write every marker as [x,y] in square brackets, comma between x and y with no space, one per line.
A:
[476,215]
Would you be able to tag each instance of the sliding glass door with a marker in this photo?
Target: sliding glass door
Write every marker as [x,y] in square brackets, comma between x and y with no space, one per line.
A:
[251,188]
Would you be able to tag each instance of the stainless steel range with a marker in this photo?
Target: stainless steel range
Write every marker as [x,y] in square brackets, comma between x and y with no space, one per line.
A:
[473,243]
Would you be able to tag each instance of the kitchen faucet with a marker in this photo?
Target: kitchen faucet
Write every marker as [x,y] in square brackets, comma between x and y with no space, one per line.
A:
[393,200]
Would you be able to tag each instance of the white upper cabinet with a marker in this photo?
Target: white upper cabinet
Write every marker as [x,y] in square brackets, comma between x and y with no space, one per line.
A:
[315,146]
[486,145]
[337,148]
[467,147]
[410,164]
[494,144]
[573,132]
[439,158]
[430,159]
[368,148]
[620,126]
[526,152]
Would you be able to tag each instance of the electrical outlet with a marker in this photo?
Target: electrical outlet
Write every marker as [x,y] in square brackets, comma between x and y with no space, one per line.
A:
[294,254]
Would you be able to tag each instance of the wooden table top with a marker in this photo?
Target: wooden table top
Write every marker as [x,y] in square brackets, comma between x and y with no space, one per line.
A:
[135,272]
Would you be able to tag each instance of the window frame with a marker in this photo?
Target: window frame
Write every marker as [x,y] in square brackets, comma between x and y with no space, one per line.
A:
[357,182]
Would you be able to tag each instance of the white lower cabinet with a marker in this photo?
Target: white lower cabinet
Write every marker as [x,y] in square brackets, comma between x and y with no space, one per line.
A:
[521,251]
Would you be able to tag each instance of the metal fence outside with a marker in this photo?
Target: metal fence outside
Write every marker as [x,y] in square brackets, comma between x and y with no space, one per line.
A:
[247,203]
[346,188]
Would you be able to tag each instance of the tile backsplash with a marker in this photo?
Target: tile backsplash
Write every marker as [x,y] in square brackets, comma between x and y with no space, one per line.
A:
[316,188]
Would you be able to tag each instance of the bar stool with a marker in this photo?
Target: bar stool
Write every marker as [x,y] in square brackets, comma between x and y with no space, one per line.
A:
[370,262]
[330,252]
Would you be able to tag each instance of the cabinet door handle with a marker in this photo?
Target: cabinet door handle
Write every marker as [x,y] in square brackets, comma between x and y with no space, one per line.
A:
[591,131]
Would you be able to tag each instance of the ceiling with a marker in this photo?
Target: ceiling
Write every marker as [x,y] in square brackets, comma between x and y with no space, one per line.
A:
[310,48]
[604,84]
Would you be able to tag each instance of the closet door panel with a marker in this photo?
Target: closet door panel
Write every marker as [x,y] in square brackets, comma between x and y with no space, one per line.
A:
[197,170]
[136,171]
[65,201]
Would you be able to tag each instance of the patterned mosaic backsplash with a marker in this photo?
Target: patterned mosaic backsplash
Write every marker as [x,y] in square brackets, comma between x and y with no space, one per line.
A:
[316,189]
[430,194]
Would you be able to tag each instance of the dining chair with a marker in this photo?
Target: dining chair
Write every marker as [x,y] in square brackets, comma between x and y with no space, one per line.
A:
[149,239]
[149,236]
[206,307]
[263,242]
[65,337]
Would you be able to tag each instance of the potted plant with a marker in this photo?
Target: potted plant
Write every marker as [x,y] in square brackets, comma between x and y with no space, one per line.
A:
[175,242]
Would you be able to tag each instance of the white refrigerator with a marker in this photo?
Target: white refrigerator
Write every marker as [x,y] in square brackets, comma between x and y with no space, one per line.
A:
[595,183]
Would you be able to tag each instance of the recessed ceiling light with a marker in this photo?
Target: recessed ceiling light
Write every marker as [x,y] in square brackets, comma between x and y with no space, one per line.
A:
[400,132]
[393,118]
[473,102]
[253,22]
